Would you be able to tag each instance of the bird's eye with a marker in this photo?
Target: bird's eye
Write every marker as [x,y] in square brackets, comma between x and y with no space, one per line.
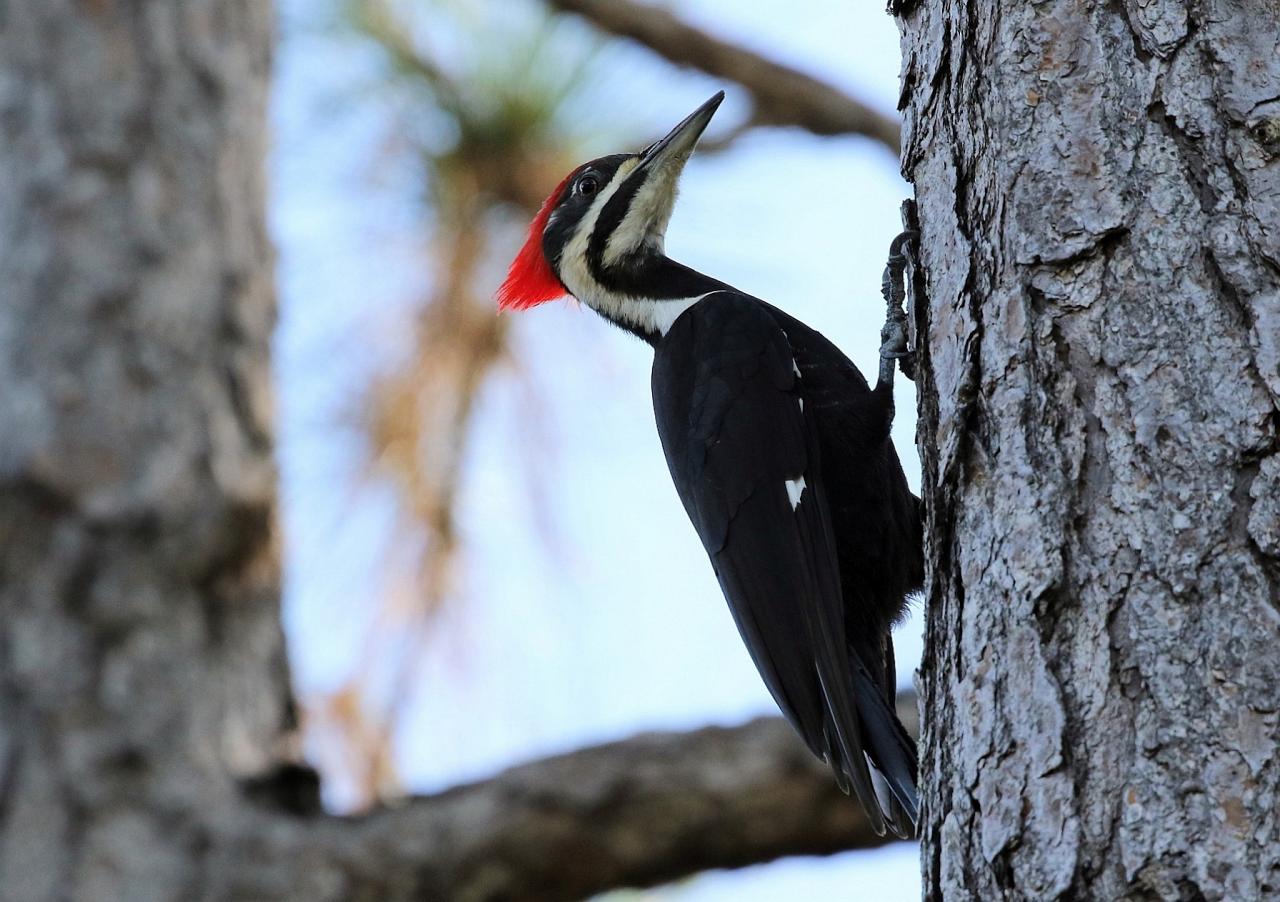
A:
[588,185]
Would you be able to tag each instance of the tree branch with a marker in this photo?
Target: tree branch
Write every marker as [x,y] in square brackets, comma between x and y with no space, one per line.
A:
[782,95]
[639,812]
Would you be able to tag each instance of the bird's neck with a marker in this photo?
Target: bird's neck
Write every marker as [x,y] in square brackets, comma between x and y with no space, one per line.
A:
[646,300]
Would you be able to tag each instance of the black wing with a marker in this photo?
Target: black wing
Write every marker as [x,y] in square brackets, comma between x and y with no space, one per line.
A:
[744,458]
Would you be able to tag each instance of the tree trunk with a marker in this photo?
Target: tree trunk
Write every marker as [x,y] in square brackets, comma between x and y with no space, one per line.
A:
[1099,196]
[141,655]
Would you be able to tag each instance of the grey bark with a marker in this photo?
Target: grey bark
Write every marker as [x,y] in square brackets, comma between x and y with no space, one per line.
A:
[144,701]
[141,656]
[1099,194]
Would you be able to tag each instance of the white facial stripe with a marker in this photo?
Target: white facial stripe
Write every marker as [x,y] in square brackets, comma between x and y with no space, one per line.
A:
[658,316]
[575,273]
[646,314]
[648,215]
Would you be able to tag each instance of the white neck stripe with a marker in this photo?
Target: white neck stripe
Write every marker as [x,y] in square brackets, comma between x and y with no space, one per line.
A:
[648,316]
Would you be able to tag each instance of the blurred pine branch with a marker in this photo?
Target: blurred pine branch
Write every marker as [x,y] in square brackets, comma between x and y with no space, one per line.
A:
[477,114]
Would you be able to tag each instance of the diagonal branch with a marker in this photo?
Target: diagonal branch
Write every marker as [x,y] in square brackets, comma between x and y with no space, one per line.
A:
[782,95]
[639,812]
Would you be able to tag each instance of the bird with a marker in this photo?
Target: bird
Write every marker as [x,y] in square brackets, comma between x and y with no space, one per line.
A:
[779,450]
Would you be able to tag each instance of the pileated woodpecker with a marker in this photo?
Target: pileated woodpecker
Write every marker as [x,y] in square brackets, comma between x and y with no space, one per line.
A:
[779,450]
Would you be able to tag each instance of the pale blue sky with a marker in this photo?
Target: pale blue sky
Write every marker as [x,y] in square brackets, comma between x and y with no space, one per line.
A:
[614,624]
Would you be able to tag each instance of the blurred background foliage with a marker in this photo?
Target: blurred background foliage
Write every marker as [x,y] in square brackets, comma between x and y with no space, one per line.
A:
[475,106]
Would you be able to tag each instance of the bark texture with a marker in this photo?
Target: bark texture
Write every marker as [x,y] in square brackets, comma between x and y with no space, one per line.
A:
[141,655]
[1099,195]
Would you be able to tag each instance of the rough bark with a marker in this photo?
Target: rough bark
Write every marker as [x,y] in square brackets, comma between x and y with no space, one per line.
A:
[141,655]
[144,698]
[1099,195]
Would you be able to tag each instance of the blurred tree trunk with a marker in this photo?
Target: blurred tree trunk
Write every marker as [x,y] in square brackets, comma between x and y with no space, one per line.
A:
[141,655]
[1099,194]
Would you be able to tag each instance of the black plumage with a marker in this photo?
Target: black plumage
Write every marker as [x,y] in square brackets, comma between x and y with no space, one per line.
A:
[814,587]
[779,450]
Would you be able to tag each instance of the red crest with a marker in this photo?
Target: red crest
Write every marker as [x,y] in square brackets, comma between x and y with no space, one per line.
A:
[530,280]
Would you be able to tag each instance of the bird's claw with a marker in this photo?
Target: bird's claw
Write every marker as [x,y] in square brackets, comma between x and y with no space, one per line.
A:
[893,337]
[892,283]
[907,236]
[894,343]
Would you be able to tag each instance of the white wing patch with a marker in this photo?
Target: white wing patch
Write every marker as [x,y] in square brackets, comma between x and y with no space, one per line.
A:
[795,488]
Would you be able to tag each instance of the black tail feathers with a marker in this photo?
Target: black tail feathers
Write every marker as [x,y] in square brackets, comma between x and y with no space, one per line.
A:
[890,751]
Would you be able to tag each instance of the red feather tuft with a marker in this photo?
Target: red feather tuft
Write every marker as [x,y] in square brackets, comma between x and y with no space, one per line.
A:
[530,280]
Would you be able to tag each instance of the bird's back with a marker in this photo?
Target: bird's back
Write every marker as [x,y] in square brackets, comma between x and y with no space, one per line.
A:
[749,402]
[875,516]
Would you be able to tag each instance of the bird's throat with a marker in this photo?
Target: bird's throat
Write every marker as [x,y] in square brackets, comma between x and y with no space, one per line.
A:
[647,300]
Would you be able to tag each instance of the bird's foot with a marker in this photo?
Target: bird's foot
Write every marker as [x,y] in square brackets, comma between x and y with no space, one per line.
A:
[893,285]
[893,337]
[893,346]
